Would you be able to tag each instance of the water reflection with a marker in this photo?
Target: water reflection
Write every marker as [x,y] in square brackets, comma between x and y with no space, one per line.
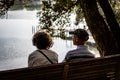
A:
[16,45]
[15,40]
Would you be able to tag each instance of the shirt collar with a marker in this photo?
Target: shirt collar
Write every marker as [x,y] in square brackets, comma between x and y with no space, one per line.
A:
[81,46]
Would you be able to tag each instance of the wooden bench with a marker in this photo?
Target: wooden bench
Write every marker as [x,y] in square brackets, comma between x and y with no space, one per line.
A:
[107,68]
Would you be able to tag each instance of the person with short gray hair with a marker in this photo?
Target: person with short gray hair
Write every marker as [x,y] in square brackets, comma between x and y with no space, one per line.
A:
[80,36]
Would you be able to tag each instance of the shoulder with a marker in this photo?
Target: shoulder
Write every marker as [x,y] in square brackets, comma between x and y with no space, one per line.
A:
[72,51]
[92,53]
[50,52]
[34,54]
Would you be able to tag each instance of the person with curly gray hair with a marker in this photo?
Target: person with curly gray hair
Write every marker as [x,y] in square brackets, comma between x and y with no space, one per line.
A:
[43,55]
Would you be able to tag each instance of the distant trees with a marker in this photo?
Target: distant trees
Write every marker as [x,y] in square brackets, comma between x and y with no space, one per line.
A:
[98,14]
[4,6]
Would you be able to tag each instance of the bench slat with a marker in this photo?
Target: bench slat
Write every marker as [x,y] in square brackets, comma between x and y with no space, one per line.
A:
[107,68]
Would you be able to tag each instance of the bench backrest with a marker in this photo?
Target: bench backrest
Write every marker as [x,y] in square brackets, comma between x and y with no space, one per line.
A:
[107,68]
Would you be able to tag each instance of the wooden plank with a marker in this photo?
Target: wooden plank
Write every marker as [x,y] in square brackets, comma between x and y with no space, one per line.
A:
[53,72]
[93,69]
[107,68]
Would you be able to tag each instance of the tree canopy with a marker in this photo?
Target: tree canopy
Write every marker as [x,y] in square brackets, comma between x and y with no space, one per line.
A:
[58,11]
[4,6]
[101,16]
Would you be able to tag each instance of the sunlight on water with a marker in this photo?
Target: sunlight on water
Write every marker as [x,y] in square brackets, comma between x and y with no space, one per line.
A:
[16,28]
[16,43]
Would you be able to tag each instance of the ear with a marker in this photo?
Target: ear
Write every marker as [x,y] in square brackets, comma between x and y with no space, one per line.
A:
[75,40]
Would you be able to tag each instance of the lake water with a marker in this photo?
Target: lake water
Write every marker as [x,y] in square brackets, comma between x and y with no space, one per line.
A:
[15,40]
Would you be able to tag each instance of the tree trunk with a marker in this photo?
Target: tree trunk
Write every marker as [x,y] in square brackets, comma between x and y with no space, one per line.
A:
[110,18]
[97,26]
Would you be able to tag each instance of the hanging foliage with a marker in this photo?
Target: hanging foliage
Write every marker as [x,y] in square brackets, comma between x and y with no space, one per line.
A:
[4,6]
[57,13]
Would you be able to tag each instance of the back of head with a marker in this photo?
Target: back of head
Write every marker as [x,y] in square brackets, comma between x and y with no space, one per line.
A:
[42,40]
[81,34]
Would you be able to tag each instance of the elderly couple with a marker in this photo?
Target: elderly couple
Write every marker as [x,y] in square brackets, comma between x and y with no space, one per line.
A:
[43,55]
